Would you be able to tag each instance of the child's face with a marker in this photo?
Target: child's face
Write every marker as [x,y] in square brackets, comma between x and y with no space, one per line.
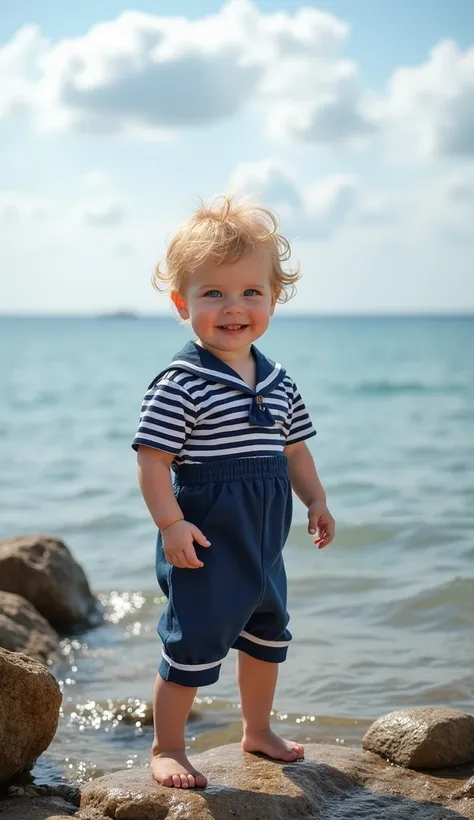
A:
[229,305]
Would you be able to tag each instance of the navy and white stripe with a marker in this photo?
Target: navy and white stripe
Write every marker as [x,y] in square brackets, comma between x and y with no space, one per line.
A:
[199,409]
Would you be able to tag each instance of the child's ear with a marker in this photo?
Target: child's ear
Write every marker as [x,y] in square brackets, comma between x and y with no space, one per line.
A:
[180,304]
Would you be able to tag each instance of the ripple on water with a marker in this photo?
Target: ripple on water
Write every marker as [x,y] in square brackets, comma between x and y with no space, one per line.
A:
[361,536]
[447,606]
[386,388]
[109,522]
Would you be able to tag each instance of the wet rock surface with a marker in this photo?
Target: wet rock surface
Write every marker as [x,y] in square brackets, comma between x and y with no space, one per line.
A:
[424,738]
[30,700]
[67,792]
[43,571]
[23,629]
[333,783]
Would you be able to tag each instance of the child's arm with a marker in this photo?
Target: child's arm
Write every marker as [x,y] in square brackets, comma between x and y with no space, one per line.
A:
[155,483]
[307,486]
[154,478]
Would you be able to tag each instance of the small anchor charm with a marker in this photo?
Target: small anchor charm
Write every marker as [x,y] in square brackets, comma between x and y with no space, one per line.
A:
[260,405]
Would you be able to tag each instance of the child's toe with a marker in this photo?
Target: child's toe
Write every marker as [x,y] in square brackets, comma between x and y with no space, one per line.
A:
[291,755]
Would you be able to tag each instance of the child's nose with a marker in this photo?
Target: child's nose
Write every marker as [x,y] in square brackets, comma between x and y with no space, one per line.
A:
[233,306]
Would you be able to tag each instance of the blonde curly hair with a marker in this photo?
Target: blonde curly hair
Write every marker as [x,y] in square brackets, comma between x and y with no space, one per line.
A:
[224,231]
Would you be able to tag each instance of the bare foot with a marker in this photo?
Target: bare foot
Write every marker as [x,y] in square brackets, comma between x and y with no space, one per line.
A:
[174,769]
[268,743]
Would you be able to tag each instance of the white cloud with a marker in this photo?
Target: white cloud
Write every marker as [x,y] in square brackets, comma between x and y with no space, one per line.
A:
[20,69]
[314,211]
[449,205]
[324,104]
[18,207]
[269,181]
[99,207]
[331,200]
[149,75]
[378,209]
[142,73]
[360,249]
[320,208]
[434,103]
[457,187]
[103,214]
[96,181]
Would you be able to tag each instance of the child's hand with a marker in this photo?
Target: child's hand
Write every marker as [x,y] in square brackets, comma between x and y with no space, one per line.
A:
[321,523]
[178,544]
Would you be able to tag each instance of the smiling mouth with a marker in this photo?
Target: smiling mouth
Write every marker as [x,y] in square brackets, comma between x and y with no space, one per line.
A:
[232,328]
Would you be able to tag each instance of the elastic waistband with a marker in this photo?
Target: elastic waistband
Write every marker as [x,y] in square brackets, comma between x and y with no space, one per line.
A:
[232,469]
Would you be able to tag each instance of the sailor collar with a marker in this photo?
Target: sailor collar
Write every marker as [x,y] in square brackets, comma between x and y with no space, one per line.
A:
[199,362]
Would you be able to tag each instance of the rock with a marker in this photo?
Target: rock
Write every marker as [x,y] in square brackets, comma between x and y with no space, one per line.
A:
[43,571]
[466,790]
[36,808]
[23,629]
[67,792]
[44,802]
[30,700]
[333,783]
[424,738]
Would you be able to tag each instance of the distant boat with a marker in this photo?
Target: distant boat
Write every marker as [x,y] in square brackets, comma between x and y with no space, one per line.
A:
[119,314]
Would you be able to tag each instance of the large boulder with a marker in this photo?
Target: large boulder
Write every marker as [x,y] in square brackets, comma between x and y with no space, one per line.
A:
[30,701]
[23,629]
[333,783]
[43,571]
[31,802]
[36,808]
[423,738]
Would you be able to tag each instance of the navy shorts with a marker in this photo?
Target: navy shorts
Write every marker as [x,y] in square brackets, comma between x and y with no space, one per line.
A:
[238,598]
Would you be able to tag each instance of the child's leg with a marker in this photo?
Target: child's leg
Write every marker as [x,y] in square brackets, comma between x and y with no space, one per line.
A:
[169,765]
[257,682]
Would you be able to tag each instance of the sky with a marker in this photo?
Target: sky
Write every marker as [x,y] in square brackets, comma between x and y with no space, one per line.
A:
[353,119]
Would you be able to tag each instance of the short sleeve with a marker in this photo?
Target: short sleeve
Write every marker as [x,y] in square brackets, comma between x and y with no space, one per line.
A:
[300,425]
[167,417]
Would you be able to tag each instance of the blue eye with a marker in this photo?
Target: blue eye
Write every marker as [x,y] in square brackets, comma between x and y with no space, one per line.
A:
[251,292]
[213,293]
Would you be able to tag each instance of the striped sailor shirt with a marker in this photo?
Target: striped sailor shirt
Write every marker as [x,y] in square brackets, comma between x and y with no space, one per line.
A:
[199,409]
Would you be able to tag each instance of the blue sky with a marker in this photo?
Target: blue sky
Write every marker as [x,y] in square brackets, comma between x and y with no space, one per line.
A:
[354,119]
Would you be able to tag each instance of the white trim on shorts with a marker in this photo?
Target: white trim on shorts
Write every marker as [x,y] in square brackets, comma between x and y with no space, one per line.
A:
[261,642]
[193,667]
